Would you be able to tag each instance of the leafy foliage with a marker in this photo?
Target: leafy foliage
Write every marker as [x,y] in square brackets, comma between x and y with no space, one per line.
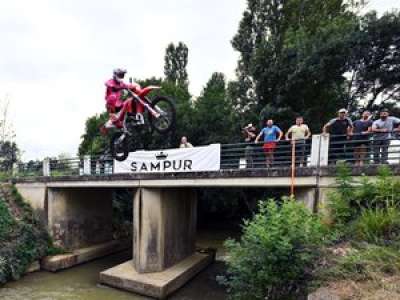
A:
[374,63]
[22,237]
[275,253]
[176,60]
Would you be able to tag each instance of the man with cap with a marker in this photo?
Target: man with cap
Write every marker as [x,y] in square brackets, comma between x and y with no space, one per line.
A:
[340,129]
[250,134]
[382,129]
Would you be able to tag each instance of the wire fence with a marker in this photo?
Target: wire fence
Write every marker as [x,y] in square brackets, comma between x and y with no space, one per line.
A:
[357,150]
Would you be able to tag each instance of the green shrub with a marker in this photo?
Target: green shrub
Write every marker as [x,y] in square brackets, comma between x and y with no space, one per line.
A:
[275,253]
[379,225]
[364,262]
[22,238]
[369,203]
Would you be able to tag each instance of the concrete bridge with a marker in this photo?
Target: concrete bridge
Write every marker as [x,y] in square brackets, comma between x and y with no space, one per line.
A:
[77,210]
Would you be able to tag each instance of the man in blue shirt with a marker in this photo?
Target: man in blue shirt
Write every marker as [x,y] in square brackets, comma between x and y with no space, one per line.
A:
[271,134]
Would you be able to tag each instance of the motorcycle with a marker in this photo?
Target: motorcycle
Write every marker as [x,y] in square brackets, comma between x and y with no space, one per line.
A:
[161,114]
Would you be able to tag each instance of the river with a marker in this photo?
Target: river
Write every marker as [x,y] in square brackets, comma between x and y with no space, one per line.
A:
[81,282]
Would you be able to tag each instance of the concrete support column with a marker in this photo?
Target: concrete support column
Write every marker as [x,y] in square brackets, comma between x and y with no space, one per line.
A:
[164,232]
[164,228]
[79,218]
[308,197]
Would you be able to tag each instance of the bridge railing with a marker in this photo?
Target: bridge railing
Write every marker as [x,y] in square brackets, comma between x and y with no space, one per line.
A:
[321,150]
[362,150]
[262,155]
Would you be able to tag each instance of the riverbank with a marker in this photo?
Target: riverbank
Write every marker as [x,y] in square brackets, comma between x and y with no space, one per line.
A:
[23,239]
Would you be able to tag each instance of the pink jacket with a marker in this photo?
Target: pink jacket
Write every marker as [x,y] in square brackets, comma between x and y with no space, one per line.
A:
[113,93]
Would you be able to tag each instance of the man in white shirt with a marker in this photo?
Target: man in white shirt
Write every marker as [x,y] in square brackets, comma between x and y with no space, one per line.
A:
[299,133]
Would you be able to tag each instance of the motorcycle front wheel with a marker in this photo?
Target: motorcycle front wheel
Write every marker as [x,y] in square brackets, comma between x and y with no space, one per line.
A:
[119,146]
[167,119]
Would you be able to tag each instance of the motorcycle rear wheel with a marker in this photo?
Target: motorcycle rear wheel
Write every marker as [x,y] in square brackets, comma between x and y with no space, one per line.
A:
[119,148]
[167,119]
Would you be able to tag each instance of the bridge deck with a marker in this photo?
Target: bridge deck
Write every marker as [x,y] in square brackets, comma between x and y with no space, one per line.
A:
[279,177]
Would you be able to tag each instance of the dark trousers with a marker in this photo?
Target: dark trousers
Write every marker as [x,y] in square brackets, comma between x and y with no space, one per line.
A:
[381,149]
[337,148]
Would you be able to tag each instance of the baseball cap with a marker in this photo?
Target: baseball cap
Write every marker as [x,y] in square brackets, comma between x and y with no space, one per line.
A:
[343,110]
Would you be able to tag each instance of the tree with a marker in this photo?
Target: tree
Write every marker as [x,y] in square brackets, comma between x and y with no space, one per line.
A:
[176,60]
[92,142]
[213,113]
[292,58]
[374,66]
[9,152]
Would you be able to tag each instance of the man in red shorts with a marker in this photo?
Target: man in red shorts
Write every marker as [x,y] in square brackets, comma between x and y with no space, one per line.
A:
[272,134]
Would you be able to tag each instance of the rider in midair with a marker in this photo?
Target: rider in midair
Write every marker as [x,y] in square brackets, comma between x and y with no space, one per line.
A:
[115,98]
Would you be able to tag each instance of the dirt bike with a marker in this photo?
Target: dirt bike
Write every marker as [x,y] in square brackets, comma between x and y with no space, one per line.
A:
[161,114]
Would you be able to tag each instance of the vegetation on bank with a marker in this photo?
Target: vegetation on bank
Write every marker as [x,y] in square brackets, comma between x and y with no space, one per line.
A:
[286,251]
[22,238]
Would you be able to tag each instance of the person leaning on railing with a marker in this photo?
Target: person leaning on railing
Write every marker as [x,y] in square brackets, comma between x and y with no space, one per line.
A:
[300,133]
[382,129]
[340,130]
[361,138]
[272,134]
[250,134]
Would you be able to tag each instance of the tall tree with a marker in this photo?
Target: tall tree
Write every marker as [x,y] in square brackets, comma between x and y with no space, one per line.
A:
[374,66]
[289,61]
[213,113]
[176,60]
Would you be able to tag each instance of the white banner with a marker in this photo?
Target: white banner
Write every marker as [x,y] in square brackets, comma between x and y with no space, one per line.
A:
[195,159]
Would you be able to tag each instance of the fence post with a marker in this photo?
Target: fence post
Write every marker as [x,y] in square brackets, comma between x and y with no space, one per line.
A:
[86,165]
[315,150]
[15,169]
[319,150]
[324,151]
[46,167]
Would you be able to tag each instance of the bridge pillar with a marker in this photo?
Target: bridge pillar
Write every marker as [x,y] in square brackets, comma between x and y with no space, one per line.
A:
[164,235]
[79,218]
[308,196]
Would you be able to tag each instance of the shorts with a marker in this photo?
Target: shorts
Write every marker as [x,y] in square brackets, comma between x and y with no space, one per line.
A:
[269,147]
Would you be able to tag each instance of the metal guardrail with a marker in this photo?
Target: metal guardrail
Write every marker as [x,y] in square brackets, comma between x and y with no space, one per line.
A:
[353,150]
[256,156]
[362,150]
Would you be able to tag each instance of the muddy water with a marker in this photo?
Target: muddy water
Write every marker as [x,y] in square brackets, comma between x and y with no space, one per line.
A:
[81,282]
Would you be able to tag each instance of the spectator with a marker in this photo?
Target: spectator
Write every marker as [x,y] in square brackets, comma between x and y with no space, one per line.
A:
[361,135]
[185,143]
[382,129]
[250,134]
[299,133]
[272,135]
[340,129]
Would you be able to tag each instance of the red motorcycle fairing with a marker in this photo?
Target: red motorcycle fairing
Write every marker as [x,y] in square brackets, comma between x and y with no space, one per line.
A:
[145,91]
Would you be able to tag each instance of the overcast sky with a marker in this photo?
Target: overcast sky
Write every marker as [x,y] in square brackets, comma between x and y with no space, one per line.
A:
[55,56]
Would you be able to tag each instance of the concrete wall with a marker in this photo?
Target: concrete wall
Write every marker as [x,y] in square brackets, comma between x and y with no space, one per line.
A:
[79,217]
[164,227]
[36,195]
